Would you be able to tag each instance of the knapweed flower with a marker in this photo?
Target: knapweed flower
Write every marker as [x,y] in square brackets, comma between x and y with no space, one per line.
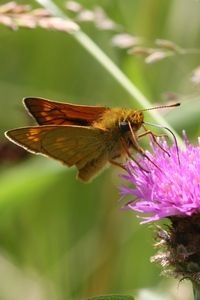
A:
[171,184]
[170,188]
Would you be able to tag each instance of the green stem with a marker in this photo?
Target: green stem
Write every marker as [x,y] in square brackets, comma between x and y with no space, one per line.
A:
[196,292]
[108,64]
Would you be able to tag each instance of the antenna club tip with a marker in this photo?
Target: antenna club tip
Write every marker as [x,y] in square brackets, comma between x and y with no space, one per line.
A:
[177,104]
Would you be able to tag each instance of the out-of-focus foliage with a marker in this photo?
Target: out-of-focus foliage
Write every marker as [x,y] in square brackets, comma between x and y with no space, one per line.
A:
[59,238]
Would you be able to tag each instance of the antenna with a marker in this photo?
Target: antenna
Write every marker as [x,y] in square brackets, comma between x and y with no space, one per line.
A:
[162,106]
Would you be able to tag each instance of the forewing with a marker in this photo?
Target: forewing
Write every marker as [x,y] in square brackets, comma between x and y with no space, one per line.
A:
[47,112]
[83,147]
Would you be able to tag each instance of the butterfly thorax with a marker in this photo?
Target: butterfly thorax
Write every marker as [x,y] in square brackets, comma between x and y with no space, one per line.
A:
[114,119]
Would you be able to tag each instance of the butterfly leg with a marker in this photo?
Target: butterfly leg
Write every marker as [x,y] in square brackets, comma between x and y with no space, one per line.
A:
[154,139]
[138,148]
[116,163]
[153,136]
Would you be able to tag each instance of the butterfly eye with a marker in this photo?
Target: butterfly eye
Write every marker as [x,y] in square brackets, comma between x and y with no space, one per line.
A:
[124,126]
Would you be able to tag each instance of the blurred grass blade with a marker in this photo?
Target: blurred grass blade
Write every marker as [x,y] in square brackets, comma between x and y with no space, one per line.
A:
[112,297]
[108,64]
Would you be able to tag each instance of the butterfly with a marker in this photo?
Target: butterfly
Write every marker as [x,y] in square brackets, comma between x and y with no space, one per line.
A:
[88,137]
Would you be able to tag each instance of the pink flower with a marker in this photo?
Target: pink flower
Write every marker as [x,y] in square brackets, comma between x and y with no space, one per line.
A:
[171,188]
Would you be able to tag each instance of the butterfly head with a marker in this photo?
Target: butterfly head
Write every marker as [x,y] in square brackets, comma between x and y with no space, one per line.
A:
[133,119]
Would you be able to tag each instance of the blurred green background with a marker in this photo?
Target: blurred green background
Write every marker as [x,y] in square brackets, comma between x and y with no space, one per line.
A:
[61,239]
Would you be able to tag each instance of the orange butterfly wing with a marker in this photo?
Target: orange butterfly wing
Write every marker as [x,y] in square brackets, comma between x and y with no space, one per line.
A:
[83,147]
[47,112]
